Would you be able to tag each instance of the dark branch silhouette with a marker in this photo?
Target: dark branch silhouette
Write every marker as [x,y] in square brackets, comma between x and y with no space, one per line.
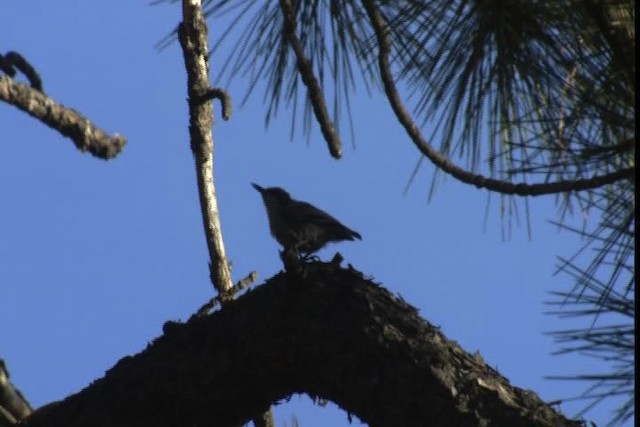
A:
[11,62]
[332,334]
[305,68]
[381,30]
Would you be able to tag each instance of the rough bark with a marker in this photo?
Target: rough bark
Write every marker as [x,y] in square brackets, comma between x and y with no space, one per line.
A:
[70,123]
[331,334]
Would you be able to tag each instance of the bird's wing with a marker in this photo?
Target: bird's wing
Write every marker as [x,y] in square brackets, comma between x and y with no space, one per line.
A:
[309,213]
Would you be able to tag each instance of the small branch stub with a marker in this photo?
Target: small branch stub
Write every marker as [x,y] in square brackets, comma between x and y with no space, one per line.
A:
[220,299]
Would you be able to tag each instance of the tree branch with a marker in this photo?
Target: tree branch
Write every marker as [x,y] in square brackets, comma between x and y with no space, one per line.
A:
[308,78]
[331,334]
[192,34]
[84,134]
[12,62]
[381,30]
[221,299]
[13,406]
[621,43]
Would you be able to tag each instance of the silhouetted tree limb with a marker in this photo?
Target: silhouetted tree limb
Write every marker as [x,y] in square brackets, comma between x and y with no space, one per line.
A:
[442,161]
[316,95]
[331,334]
[84,134]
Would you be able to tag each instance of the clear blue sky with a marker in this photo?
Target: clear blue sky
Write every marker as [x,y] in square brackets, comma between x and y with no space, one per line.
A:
[95,256]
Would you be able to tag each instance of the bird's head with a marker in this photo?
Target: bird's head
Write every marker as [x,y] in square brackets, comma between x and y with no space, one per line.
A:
[273,194]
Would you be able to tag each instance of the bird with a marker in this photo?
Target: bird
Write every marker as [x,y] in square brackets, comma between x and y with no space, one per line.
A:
[299,226]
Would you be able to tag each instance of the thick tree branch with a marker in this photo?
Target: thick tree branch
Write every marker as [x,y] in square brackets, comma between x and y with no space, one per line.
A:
[309,79]
[192,34]
[331,334]
[381,30]
[67,121]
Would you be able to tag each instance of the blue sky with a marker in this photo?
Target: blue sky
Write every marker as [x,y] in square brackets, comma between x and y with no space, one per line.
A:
[96,256]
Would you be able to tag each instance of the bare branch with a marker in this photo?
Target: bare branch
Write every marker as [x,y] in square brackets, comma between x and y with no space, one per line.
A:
[84,134]
[220,299]
[192,34]
[306,73]
[381,30]
[11,62]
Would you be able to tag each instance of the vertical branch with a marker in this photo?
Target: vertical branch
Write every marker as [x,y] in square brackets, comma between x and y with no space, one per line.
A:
[192,33]
[193,39]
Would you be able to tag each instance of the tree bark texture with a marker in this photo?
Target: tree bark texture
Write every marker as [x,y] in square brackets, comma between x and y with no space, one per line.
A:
[70,123]
[330,333]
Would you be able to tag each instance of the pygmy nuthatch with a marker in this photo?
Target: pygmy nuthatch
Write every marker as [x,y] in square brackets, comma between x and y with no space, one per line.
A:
[300,226]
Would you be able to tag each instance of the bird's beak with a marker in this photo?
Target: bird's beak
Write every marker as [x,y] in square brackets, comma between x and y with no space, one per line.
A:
[257,187]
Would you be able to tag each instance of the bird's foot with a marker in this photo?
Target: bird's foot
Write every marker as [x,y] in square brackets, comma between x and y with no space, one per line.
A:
[309,258]
[337,259]
[291,260]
